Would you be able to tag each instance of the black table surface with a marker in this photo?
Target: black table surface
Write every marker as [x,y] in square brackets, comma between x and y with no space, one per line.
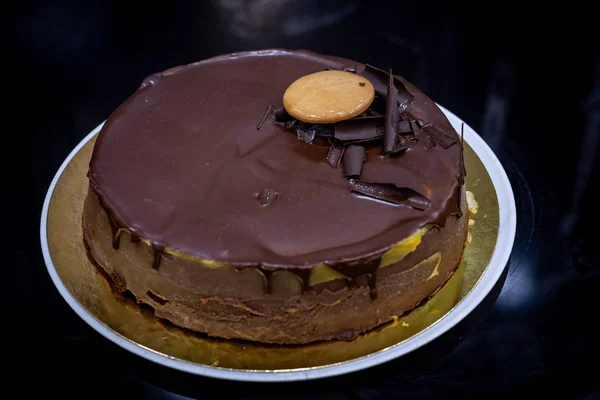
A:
[530,85]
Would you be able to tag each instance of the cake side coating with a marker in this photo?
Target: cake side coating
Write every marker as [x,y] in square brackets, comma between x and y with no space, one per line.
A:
[229,302]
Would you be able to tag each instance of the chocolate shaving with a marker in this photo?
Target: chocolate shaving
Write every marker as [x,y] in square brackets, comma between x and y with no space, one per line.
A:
[391,193]
[267,197]
[377,107]
[336,152]
[306,134]
[403,143]
[354,158]
[429,143]
[358,129]
[392,117]
[325,130]
[264,117]
[404,127]
[282,116]
[379,79]
[439,137]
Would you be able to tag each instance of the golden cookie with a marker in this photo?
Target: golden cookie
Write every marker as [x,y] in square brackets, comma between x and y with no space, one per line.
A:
[327,97]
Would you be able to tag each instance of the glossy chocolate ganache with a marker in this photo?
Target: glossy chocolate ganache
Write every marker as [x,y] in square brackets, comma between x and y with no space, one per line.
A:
[202,171]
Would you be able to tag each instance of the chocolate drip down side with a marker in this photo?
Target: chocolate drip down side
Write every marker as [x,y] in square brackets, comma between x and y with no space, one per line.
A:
[219,154]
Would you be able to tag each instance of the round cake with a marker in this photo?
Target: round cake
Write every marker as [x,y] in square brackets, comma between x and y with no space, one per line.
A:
[218,200]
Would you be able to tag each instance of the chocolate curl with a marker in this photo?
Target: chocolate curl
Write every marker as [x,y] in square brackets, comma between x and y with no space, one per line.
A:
[264,117]
[392,117]
[391,193]
[354,158]
[336,152]
[439,137]
[358,129]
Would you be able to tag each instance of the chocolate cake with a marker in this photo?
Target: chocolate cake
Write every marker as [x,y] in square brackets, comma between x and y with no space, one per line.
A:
[214,203]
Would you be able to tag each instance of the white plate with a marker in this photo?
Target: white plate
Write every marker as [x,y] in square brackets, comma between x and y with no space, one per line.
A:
[498,262]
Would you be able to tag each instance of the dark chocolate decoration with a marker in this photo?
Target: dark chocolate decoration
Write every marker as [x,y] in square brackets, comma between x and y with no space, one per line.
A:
[308,132]
[324,130]
[361,83]
[358,129]
[305,133]
[377,107]
[304,275]
[392,117]
[264,117]
[335,154]
[114,228]
[268,273]
[267,197]
[463,170]
[429,143]
[404,126]
[403,143]
[281,115]
[379,79]
[391,193]
[354,158]
[439,137]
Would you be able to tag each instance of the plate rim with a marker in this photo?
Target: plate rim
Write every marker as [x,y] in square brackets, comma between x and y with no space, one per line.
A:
[491,274]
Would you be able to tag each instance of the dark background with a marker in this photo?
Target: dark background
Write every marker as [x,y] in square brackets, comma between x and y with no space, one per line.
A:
[529,84]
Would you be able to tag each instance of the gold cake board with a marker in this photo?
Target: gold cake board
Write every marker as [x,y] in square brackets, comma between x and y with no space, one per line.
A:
[139,326]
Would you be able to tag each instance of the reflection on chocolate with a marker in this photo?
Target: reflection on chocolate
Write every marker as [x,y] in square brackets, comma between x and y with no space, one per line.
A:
[281,115]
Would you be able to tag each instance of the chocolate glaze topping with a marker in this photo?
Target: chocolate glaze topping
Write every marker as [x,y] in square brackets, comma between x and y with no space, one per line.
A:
[181,161]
